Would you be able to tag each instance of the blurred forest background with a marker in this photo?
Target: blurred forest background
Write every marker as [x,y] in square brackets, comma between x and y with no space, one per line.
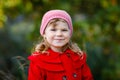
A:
[96,30]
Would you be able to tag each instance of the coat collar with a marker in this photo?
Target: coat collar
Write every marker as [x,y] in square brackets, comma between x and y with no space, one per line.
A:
[51,60]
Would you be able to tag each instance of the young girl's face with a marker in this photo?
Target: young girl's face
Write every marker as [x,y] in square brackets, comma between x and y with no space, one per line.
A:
[57,33]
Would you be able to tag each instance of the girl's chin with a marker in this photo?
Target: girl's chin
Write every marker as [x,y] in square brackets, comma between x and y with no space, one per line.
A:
[58,46]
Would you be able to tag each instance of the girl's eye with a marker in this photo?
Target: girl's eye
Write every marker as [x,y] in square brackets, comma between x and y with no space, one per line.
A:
[64,30]
[53,29]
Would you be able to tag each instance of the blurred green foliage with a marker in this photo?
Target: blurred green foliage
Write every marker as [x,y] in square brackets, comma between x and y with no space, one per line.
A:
[96,30]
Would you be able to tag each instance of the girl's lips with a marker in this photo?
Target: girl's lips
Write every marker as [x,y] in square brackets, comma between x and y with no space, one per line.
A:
[58,39]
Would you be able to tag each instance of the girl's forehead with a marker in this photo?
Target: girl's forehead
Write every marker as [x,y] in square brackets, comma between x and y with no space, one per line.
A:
[56,21]
[53,21]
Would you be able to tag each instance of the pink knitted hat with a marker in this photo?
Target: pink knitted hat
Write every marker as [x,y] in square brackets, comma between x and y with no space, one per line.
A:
[55,14]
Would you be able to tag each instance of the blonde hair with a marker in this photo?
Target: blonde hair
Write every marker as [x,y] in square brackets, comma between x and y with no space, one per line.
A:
[43,46]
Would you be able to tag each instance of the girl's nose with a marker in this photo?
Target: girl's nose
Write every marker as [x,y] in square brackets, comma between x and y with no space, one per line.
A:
[59,33]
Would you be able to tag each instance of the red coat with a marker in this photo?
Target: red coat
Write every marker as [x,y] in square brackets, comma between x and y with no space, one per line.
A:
[56,66]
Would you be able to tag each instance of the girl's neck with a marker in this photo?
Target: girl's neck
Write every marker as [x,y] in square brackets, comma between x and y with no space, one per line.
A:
[59,50]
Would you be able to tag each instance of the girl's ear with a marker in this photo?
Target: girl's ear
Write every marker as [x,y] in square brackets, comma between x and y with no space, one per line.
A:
[44,36]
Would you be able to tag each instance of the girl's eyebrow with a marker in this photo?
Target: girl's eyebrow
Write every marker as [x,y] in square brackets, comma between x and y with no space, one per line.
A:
[54,24]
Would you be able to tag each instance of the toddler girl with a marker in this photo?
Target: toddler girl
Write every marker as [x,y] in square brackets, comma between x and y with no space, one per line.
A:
[56,57]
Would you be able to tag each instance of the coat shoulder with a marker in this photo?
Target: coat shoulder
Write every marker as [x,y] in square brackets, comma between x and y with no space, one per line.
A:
[47,61]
